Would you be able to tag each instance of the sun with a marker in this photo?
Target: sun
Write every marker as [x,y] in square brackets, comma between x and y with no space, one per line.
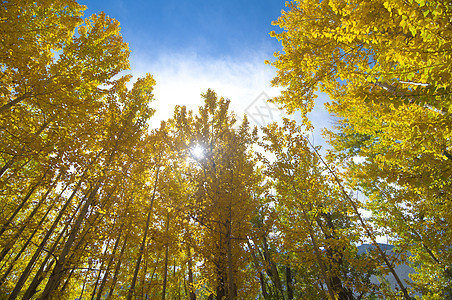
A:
[197,151]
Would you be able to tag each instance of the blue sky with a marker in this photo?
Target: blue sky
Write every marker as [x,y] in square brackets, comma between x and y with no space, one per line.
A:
[208,28]
[190,46]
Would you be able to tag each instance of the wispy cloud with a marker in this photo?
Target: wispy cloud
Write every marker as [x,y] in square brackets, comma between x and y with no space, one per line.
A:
[181,78]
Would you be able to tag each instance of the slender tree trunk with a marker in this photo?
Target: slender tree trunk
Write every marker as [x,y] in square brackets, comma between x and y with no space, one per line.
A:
[165,270]
[118,266]
[40,274]
[14,173]
[319,257]
[26,223]
[289,283]
[335,258]
[22,204]
[221,269]
[99,274]
[231,292]
[174,276]
[157,262]
[110,263]
[190,274]
[143,242]
[143,277]
[66,283]
[383,255]
[38,251]
[257,266]
[91,219]
[273,273]
[83,288]
[68,279]
[58,272]
[24,247]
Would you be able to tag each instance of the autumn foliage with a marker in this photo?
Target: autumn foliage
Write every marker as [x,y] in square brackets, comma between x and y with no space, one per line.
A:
[95,204]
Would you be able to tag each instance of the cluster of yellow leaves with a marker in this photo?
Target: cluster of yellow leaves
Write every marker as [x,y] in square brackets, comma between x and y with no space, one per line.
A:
[386,66]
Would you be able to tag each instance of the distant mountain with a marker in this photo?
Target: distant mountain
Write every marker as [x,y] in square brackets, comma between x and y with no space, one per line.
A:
[364,248]
[402,270]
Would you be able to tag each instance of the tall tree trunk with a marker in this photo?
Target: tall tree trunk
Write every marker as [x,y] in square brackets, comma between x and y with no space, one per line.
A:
[91,218]
[73,269]
[23,202]
[174,276]
[117,268]
[261,276]
[99,274]
[382,254]
[165,270]
[143,279]
[27,221]
[66,283]
[24,247]
[273,272]
[289,283]
[157,262]
[318,254]
[143,242]
[110,263]
[45,268]
[58,272]
[38,251]
[83,288]
[221,270]
[14,173]
[231,292]
[190,274]
[335,257]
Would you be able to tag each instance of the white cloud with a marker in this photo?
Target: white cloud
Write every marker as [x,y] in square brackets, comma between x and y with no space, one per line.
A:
[182,77]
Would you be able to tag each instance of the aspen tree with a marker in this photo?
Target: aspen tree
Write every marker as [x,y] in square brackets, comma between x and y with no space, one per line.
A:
[386,66]
[225,177]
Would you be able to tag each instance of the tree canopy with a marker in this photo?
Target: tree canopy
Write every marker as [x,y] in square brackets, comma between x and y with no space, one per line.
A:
[95,204]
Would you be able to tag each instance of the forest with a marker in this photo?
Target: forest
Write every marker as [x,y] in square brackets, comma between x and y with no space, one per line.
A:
[96,204]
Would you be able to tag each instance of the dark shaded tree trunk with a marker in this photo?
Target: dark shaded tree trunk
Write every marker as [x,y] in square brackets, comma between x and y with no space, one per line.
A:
[289,283]
[152,275]
[231,290]
[257,266]
[334,258]
[45,267]
[273,271]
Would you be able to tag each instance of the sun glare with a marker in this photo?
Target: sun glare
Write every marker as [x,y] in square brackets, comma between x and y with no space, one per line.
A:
[197,151]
